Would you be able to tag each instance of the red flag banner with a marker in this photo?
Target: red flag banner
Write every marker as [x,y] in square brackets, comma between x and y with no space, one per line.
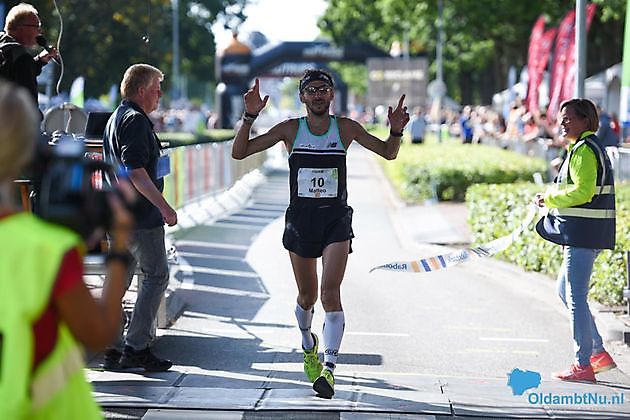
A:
[532,59]
[563,71]
[545,49]
[571,70]
[538,65]
[564,40]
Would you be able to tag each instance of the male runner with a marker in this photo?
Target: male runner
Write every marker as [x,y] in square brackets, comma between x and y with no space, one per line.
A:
[318,219]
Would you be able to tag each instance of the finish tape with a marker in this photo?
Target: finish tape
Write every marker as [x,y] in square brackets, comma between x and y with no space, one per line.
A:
[444,261]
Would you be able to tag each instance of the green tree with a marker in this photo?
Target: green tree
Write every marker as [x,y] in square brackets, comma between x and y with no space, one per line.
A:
[483,38]
[99,40]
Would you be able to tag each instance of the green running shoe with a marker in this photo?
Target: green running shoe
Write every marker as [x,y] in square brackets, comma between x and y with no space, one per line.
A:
[325,384]
[312,365]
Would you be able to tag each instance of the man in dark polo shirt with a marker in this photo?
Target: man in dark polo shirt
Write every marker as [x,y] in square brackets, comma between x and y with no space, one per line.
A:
[129,142]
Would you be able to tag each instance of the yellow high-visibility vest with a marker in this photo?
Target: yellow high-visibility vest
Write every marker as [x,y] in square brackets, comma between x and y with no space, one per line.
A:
[31,252]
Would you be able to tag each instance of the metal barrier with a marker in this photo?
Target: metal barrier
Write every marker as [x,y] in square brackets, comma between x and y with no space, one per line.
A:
[202,170]
[626,296]
[621,164]
[538,148]
[197,171]
[619,156]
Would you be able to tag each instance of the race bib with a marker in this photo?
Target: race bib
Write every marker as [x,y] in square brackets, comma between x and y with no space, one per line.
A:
[163,166]
[317,182]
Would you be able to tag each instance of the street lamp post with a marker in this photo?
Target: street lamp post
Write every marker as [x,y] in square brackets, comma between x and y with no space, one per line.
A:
[175,82]
[580,43]
[439,69]
[405,45]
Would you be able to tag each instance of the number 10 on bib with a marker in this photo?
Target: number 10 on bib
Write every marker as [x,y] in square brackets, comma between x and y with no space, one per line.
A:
[317,182]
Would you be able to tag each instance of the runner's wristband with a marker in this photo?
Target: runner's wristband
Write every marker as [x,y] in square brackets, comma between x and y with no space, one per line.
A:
[249,118]
[394,134]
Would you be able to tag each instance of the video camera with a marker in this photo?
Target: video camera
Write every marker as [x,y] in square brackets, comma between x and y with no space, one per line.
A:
[66,193]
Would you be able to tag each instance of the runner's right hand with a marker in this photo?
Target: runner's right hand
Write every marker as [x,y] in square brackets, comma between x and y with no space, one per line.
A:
[253,102]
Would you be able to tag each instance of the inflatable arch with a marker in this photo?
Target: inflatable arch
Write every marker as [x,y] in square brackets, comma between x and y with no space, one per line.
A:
[237,66]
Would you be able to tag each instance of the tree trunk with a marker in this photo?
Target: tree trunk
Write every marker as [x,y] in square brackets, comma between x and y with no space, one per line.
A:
[466,86]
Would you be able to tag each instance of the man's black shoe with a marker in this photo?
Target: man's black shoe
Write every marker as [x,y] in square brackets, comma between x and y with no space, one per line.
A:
[145,359]
[111,360]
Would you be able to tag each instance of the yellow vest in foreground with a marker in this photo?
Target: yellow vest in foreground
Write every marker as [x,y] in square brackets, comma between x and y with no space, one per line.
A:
[31,252]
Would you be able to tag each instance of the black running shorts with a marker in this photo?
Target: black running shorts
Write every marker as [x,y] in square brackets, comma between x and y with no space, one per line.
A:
[309,229]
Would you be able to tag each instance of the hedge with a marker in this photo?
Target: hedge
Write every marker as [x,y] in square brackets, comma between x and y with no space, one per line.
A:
[186,139]
[445,171]
[494,210]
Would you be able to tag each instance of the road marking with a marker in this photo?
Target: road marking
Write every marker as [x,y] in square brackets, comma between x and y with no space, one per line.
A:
[188,277]
[477,328]
[375,334]
[213,256]
[499,351]
[358,375]
[247,377]
[427,375]
[493,351]
[231,292]
[188,274]
[526,352]
[520,340]
[224,224]
[204,244]
[235,273]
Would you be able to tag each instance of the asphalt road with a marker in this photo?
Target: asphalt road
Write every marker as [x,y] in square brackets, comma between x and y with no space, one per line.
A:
[409,340]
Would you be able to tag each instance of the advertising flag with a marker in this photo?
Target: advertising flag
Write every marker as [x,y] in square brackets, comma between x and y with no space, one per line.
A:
[564,41]
[545,52]
[571,70]
[532,58]
[563,71]
[76,91]
[113,97]
[539,50]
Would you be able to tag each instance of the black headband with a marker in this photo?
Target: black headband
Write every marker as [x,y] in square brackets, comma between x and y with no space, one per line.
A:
[315,76]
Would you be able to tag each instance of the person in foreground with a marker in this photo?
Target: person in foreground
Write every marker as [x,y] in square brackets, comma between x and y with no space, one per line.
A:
[318,221]
[581,218]
[47,311]
[130,142]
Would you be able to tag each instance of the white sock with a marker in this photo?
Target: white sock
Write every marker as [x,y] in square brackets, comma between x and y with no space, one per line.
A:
[304,320]
[334,324]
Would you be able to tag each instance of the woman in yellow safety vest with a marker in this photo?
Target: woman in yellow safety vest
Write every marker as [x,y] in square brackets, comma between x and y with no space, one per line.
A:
[581,218]
[46,312]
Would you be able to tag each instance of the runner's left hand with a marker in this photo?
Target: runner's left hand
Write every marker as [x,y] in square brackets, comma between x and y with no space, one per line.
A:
[398,117]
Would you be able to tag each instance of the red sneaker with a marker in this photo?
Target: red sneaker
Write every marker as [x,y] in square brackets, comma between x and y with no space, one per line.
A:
[576,373]
[601,362]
